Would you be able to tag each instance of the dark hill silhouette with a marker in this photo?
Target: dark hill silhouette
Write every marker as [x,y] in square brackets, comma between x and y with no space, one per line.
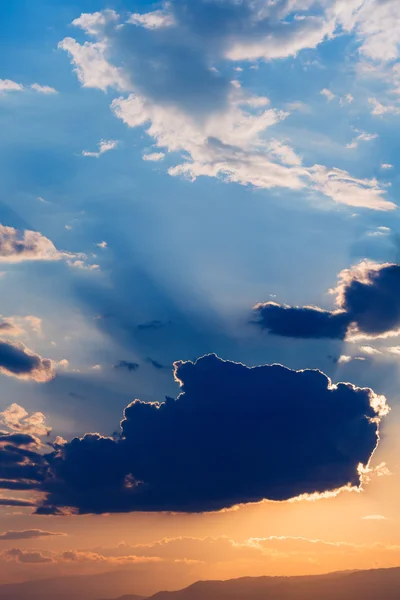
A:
[347,585]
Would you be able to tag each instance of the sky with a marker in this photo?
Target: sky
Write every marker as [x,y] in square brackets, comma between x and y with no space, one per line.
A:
[200,320]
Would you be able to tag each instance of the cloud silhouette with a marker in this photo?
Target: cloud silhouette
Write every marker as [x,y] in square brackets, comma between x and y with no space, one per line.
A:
[368,306]
[26,534]
[124,364]
[16,360]
[235,434]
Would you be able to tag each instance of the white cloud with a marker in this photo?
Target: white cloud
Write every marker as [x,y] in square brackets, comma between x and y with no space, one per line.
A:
[379,109]
[20,246]
[362,136]
[43,89]
[374,518]
[154,156]
[104,146]
[386,166]
[102,245]
[94,23]
[152,20]
[376,24]
[230,140]
[6,85]
[91,66]
[328,94]
[394,350]
[369,350]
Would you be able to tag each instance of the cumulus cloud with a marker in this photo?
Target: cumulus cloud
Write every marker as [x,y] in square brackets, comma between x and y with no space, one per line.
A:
[18,246]
[16,360]
[376,24]
[27,534]
[16,418]
[368,306]
[219,128]
[7,85]
[235,434]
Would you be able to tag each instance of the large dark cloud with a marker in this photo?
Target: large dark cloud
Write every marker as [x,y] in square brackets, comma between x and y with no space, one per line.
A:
[368,301]
[22,466]
[235,434]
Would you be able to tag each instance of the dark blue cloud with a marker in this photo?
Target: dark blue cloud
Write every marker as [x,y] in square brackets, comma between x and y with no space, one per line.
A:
[235,434]
[368,299]
[22,467]
[129,366]
[306,322]
[17,360]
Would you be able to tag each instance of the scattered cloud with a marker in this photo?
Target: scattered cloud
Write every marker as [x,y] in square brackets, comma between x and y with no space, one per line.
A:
[362,136]
[43,89]
[104,146]
[7,85]
[368,306]
[374,518]
[16,360]
[129,366]
[154,156]
[27,534]
[19,246]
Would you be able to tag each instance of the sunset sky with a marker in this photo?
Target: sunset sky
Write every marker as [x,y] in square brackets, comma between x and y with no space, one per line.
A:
[191,192]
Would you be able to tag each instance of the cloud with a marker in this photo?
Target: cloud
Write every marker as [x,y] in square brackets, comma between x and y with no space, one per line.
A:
[328,94]
[16,326]
[104,146]
[218,128]
[43,89]
[16,418]
[17,360]
[123,364]
[362,136]
[154,156]
[151,325]
[235,434]
[386,166]
[25,556]
[374,518]
[7,85]
[368,306]
[18,246]
[17,502]
[155,364]
[27,534]
[376,24]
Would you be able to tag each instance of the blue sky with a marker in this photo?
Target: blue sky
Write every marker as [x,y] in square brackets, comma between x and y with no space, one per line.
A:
[186,163]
